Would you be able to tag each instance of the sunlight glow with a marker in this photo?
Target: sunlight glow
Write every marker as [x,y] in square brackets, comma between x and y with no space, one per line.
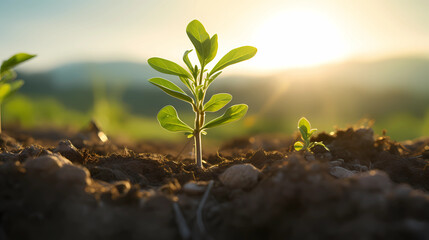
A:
[298,38]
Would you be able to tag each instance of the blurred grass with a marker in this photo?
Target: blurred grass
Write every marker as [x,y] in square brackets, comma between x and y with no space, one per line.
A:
[36,112]
[116,120]
[112,117]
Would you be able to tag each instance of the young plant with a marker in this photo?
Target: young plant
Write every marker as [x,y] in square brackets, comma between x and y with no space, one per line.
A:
[198,79]
[8,75]
[306,133]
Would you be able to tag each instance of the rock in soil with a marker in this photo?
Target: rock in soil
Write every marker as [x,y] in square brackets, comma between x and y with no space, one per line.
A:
[340,172]
[336,163]
[66,149]
[195,188]
[122,186]
[240,176]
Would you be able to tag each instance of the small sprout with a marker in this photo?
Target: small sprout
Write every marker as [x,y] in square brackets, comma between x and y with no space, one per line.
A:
[7,76]
[306,133]
[197,79]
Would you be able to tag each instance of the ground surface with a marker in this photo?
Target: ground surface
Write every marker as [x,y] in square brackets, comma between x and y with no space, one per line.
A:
[364,188]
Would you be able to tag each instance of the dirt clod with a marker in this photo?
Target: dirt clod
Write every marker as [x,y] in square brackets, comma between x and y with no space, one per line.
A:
[46,163]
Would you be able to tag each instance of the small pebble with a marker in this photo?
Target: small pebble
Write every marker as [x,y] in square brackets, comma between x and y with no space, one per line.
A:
[122,186]
[341,172]
[194,188]
[66,148]
[240,176]
[360,168]
[335,163]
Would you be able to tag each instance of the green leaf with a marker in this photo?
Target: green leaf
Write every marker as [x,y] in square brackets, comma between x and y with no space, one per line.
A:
[169,120]
[200,92]
[200,39]
[232,114]
[186,82]
[187,61]
[310,133]
[14,86]
[4,90]
[213,50]
[304,122]
[15,60]
[168,67]
[321,144]
[196,72]
[212,78]
[217,102]
[304,132]
[7,89]
[171,89]
[234,56]
[298,146]
[8,75]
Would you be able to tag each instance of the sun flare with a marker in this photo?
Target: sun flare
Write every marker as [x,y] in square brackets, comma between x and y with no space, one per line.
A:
[297,39]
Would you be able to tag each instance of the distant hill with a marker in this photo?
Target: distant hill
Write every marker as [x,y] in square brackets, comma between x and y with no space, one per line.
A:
[406,73]
[83,73]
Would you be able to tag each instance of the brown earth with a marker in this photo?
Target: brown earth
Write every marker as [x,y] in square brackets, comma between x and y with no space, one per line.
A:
[364,188]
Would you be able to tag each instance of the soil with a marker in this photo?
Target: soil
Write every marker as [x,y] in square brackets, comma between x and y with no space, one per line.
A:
[365,187]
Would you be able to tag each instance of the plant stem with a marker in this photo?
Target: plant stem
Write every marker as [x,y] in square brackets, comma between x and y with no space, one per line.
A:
[0,118]
[201,73]
[197,137]
[199,123]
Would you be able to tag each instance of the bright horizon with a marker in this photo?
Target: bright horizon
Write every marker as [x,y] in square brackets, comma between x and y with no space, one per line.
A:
[287,34]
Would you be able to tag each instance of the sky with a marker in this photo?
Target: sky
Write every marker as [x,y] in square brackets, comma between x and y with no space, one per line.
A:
[288,34]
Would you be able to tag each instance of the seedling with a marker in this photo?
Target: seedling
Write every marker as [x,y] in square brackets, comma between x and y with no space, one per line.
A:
[306,133]
[7,76]
[197,80]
